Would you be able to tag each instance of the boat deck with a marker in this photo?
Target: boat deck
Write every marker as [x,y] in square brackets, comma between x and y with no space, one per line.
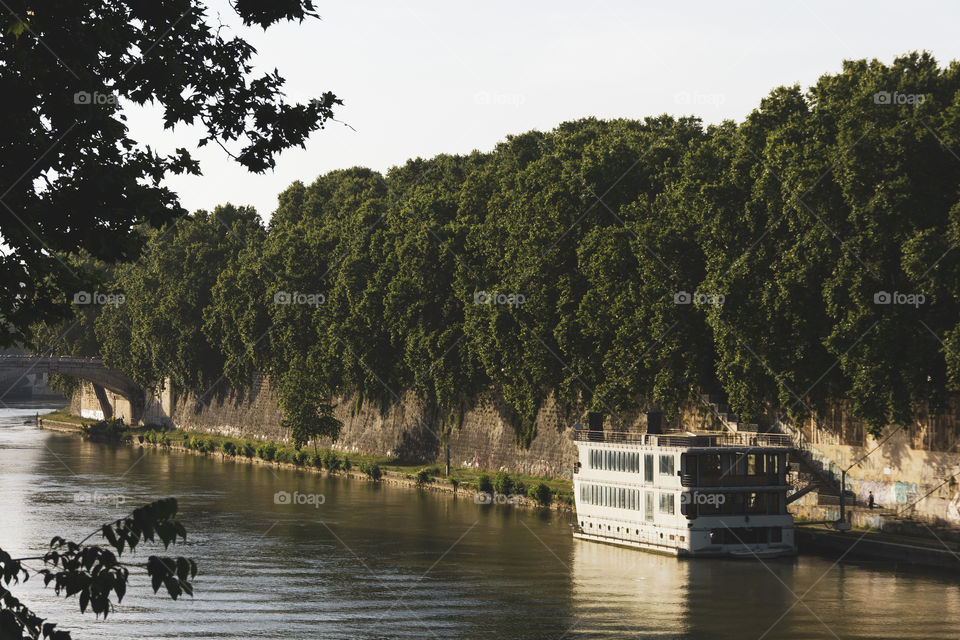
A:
[738,439]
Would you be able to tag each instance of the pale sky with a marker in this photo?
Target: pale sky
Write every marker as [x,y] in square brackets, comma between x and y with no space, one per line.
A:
[422,78]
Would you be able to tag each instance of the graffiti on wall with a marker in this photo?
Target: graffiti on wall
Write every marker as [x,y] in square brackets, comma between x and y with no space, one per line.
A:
[885,494]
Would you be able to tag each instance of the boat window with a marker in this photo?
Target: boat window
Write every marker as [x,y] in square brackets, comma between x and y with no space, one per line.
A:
[688,463]
[666,465]
[772,467]
[667,503]
[738,463]
[648,505]
[709,464]
[648,468]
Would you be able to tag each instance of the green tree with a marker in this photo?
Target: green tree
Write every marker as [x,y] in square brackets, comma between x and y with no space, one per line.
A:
[73,176]
[163,328]
[306,414]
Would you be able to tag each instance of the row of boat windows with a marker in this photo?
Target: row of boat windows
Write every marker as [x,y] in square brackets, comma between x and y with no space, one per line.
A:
[624,498]
[695,504]
[630,462]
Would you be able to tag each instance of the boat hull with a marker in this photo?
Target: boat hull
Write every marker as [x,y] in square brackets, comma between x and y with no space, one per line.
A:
[747,554]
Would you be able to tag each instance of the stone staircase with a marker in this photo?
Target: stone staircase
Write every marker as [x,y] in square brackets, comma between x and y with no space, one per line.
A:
[816,483]
[717,403]
[808,476]
[812,482]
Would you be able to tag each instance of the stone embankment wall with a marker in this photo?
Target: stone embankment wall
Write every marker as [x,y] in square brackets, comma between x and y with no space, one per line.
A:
[483,438]
[913,462]
[900,472]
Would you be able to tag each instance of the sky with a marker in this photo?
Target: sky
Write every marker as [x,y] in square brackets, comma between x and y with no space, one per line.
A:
[423,78]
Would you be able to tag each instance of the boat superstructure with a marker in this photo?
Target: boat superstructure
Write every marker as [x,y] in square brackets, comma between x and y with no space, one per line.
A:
[691,494]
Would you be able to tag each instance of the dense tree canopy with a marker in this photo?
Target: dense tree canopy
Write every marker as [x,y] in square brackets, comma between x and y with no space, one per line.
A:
[802,256]
[72,176]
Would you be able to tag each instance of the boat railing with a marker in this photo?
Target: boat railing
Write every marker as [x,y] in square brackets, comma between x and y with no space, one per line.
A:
[732,439]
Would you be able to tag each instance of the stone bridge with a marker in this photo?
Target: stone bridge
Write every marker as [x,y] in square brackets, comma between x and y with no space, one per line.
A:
[92,370]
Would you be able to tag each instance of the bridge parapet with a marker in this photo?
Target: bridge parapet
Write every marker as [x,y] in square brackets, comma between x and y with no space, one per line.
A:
[90,369]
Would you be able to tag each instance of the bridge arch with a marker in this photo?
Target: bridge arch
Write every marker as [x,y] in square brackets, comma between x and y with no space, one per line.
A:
[92,370]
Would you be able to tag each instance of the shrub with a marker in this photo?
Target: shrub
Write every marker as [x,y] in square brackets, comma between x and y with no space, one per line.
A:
[519,488]
[267,451]
[371,470]
[300,458]
[503,483]
[484,485]
[346,464]
[105,430]
[229,448]
[208,445]
[316,460]
[541,493]
[164,440]
[423,476]
[330,460]
[246,450]
[283,455]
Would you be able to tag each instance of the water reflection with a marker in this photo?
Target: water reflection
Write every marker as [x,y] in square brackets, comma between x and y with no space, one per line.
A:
[388,562]
[618,591]
[621,593]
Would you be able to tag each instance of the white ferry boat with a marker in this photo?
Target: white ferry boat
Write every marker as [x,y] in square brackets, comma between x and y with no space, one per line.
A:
[687,494]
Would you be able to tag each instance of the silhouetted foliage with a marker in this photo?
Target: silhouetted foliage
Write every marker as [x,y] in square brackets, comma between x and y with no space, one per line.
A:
[72,175]
[95,573]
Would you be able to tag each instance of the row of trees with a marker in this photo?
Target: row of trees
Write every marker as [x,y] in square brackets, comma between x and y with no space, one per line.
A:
[814,241]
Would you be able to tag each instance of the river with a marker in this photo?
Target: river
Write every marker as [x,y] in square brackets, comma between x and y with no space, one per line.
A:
[365,561]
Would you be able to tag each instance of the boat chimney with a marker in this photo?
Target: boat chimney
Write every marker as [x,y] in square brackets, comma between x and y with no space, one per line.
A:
[654,422]
[595,420]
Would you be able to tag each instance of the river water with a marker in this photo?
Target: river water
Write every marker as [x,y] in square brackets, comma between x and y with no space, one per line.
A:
[389,562]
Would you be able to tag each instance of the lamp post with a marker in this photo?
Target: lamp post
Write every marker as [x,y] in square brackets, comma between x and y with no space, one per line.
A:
[842,524]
